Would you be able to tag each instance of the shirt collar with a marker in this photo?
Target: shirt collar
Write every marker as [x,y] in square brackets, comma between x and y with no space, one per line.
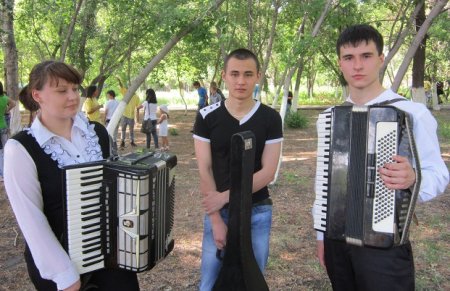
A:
[42,134]
[384,96]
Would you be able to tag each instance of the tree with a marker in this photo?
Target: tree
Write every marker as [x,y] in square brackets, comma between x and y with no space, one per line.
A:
[440,4]
[11,59]
[154,61]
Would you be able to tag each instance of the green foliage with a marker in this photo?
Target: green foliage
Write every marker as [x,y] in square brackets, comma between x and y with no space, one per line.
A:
[296,120]
[444,130]
[173,131]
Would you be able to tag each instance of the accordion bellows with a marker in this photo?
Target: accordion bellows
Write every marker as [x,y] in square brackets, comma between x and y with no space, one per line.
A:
[119,214]
[352,203]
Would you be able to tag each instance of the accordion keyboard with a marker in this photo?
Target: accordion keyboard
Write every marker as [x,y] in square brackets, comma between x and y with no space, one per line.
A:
[84,227]
[322,167]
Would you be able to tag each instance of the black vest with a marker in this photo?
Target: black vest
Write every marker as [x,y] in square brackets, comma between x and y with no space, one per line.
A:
[49,176]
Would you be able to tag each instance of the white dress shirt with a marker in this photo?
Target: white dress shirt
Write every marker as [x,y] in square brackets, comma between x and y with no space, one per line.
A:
[24,193]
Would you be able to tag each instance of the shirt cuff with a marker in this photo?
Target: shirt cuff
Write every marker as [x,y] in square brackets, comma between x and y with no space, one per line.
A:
[67,278]
[319,235]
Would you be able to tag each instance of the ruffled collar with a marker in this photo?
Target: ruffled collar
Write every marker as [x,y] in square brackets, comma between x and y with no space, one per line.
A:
[53,146]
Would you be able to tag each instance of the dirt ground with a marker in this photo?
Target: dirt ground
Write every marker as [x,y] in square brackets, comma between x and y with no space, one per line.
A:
[292,263]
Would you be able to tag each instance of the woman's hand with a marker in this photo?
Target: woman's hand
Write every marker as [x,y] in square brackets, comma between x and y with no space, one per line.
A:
[74,287]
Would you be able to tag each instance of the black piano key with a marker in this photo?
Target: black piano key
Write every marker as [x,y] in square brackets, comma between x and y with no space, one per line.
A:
[97,215]
[91,183]
[90,205]
[90,231]
[87,251]
[87,226]
[92,244]
[93,262]
[92,257]
[88,177]
[90,197]
[89,239]
[90,191]
[87,212]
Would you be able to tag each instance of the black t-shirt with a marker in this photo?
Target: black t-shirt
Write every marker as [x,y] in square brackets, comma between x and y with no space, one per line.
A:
[214,124]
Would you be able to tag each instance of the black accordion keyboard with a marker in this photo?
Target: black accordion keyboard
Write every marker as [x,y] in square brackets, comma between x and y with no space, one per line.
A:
[119,214]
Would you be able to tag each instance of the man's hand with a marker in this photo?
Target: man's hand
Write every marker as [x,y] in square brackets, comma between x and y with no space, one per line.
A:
[220,229]
[399,175]
[214,201]
[320,253]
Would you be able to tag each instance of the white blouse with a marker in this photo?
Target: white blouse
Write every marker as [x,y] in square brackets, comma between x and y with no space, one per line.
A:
[24,193]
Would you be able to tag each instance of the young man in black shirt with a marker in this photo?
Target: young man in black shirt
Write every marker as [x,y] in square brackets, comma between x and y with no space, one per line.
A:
[214,126]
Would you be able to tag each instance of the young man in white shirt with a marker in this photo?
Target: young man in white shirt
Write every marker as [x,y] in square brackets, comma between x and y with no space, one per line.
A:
[349,267]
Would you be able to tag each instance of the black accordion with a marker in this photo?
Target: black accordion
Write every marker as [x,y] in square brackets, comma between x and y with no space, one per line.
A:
[119,214]
[352,203]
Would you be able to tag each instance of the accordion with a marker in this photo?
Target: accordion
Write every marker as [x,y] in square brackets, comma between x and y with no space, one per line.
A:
[119,214]
[352,203]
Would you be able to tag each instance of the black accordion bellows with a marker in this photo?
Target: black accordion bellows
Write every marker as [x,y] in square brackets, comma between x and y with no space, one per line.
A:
[119,214]
[352,202]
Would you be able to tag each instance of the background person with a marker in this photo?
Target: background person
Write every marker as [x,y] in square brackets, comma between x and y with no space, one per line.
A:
[128,118]
[110,107]
[6,104]
[150,108]
[91,106]
[163,122]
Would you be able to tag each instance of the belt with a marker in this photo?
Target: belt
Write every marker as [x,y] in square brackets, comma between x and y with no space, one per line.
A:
[267,201]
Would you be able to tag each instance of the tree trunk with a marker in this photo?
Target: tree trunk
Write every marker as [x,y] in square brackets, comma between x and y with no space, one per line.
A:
[400,39]
[269,49]
[440,4]
[11,60]
[297,87]
[418,68]
[155,61]
[70,31]
[250,25]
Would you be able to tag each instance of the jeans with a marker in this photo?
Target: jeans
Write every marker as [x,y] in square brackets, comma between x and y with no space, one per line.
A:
[154,134]
[261,225]
[127,121]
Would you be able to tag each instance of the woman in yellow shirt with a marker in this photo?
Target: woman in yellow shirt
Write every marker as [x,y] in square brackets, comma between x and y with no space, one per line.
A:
[91,106]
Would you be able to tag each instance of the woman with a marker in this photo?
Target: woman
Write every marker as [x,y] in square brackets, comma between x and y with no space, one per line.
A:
[58,136]
[150,108]
[91,106]
[6,104]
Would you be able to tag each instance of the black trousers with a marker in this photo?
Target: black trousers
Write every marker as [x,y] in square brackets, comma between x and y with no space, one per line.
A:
[104,280]
[351,267]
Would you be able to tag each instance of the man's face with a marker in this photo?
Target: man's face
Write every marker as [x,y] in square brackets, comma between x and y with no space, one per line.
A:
[240,76]
[360,64]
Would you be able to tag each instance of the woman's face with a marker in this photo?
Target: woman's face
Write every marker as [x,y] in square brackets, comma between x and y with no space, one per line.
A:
[58,98]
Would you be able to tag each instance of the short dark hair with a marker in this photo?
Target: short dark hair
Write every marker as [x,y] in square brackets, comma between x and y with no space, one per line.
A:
[241,54]
[44,71]
[355,34]
[112,93]
[196,84]
[1,89]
